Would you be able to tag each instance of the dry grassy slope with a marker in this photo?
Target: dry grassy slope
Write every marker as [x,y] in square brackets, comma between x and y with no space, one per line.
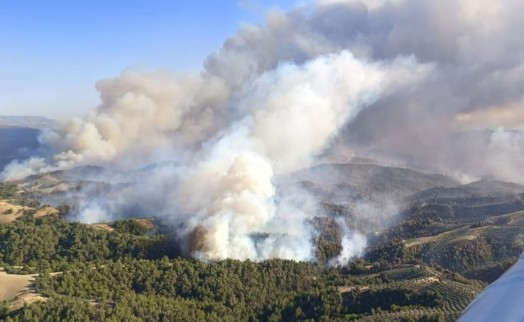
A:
[10,212]
[13,285]
[147,223]
[46,184]
[68,187]
[18,289]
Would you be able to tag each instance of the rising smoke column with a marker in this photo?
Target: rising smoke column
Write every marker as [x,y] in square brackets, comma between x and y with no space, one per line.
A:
[293,113]
[276,96]
[224,194]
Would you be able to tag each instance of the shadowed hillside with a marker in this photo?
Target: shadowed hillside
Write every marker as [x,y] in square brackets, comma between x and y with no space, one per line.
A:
[343,182]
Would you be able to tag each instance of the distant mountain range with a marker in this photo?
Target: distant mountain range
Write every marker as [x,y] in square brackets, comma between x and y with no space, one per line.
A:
[34,122]
[19,137]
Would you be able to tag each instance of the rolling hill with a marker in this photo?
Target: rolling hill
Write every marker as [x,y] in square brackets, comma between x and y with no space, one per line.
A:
[428,256]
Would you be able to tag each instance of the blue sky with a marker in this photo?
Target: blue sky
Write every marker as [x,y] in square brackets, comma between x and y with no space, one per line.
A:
[52,52]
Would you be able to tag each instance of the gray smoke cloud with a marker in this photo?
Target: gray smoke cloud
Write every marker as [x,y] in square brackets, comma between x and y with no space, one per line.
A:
[429,83]
[218,188]
[467,119]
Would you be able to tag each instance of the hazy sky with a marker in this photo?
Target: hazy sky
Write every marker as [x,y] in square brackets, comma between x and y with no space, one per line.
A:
[53,51]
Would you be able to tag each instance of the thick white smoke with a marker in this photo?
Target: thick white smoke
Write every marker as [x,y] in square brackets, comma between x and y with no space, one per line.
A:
[353,244]
[292,113]
[232,146]
[206,149]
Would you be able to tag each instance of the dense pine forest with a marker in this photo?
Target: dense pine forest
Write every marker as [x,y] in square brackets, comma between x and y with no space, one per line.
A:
[87,274]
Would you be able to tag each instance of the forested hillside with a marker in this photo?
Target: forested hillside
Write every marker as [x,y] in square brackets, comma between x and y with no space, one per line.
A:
[444,248]
[125,275]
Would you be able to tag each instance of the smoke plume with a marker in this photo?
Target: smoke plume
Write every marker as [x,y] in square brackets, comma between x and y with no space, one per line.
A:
[435,84]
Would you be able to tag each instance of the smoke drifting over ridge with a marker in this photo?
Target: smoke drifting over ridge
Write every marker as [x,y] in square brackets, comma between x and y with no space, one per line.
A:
[405,80]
